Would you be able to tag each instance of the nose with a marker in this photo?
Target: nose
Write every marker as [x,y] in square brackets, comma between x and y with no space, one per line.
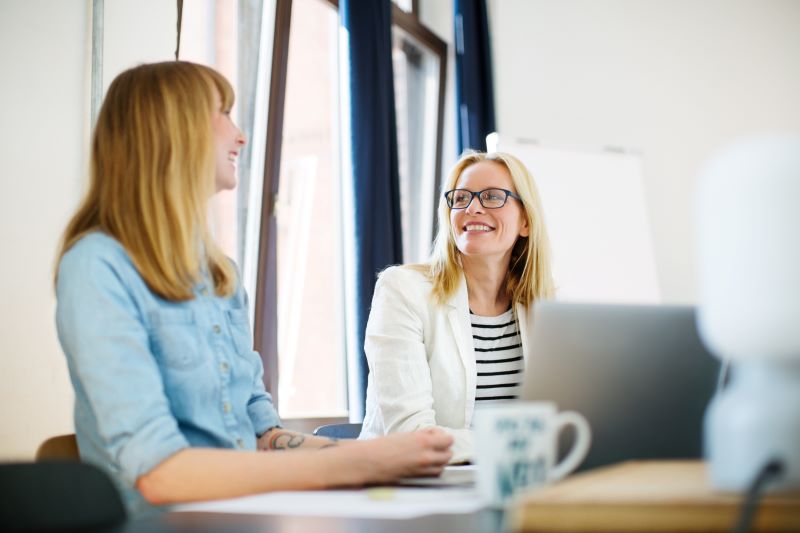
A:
[474,206]
[241,140]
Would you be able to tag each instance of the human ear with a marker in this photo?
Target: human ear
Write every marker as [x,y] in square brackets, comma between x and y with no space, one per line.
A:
[524,229]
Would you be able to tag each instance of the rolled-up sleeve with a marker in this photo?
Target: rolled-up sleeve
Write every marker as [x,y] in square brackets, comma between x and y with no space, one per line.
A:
[260,408]
[104,336]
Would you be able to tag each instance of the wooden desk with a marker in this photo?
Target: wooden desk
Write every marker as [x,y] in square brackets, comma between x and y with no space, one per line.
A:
[659,496]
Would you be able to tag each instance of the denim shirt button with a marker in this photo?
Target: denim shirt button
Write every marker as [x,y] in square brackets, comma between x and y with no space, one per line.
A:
[226,407]
[223,367]
[240,443]
[216,328]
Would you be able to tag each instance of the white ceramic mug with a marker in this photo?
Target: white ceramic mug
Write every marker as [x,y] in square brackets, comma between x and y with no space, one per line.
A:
[516,445]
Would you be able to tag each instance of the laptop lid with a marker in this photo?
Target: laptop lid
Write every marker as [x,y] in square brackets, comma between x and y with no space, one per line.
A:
[639,374]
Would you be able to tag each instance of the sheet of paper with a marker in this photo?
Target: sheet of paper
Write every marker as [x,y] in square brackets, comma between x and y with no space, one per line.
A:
[453,476]
[380,502]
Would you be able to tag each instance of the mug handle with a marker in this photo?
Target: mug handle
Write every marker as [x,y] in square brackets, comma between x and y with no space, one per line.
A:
[583,439]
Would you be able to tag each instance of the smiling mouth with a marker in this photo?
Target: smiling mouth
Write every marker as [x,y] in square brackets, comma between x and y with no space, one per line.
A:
[232,156]
[477,228]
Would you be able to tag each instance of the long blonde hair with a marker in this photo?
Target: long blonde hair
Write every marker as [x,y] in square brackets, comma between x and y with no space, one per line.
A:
[152,174]
[529,275]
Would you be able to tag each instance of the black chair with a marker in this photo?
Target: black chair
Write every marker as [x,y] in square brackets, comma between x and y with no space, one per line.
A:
[339,431]
[57,496]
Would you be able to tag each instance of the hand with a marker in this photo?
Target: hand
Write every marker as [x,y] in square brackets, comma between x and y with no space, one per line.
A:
[420,453]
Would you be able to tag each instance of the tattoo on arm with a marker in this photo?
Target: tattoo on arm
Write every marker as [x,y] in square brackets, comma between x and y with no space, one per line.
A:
[284,440]
[281,439]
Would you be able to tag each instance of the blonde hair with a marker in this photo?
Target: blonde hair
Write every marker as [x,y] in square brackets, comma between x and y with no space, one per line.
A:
[529,275]
[152,174]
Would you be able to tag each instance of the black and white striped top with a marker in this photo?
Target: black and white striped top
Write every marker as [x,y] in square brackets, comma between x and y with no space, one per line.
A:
[498,357]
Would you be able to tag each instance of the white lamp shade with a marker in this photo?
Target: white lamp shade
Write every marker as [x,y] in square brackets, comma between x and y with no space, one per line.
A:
[747,220]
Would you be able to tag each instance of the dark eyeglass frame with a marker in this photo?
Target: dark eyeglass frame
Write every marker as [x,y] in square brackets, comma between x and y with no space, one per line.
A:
[448,197]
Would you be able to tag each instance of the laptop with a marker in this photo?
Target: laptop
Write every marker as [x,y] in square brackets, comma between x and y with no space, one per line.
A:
[639,374]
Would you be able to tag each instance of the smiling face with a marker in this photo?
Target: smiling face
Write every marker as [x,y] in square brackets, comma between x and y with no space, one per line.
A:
[228,142]
[487,233]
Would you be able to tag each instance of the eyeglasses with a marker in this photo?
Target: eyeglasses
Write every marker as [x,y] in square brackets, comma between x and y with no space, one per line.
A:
[489,198]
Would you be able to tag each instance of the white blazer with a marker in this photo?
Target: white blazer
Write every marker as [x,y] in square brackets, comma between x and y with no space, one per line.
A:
[422,369]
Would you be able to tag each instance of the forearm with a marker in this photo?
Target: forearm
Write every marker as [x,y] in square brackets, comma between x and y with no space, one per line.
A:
[284,439]
[204,473]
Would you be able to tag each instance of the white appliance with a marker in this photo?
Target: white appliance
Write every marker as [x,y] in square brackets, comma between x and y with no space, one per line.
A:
[748,249]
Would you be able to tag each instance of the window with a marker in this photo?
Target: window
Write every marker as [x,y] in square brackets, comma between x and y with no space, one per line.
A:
[419,71]
[300,305]
[208,36]
[311,357]
[236,39]
[409,6]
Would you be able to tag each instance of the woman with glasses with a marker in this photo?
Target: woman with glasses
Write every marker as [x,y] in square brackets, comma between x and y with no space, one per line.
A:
[447,336]
[169,398]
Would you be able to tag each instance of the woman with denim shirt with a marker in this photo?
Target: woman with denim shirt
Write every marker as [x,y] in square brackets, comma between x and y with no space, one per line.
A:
[169,397]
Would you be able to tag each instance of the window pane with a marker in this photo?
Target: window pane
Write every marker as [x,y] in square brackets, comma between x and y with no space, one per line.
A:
[416,85]
[209,37]
[236,39]
[405,5]
[310,301]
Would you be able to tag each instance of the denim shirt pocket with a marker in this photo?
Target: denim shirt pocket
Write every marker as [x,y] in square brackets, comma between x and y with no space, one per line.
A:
[239,324]
[174,337]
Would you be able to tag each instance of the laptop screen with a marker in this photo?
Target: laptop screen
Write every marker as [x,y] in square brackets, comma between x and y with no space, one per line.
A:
[639,374]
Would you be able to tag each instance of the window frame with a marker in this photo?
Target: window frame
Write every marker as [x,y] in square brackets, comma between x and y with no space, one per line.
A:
[265,309]
[410,23]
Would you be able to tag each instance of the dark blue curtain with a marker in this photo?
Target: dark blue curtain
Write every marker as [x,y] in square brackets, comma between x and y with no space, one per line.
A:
[474,93]
[375,177]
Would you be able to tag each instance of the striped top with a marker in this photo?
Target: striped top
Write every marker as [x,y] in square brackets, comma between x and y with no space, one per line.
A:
[498,357]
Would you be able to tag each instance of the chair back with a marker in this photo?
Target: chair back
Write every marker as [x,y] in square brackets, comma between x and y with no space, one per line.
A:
[60,448]
[57,496]
[339,431]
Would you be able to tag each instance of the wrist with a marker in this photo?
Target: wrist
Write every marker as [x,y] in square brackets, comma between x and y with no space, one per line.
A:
[352,463]
[263,441]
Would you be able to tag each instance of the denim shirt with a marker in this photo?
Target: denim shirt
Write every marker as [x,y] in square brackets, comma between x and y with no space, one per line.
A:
[152,376]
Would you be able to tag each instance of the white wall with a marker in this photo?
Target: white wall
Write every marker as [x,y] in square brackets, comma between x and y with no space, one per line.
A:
[674,79]
[45,57]
[42,142]
[137,31]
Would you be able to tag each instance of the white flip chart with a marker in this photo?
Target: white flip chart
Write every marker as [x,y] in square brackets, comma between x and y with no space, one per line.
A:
[596,215]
